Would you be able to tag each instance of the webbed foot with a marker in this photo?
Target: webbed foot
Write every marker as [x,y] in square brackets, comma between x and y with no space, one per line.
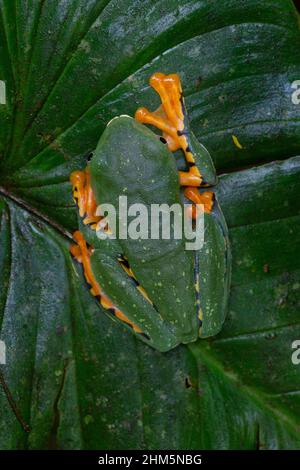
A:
[206,198]
[84,198]
[170,119]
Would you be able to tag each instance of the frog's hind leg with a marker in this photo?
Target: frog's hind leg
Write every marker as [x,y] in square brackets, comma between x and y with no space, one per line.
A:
[126,266]
[123,288]
[170,119]
[84,197]
[82,253]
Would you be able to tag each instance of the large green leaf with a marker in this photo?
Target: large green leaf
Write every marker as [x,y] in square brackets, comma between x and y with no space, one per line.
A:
[79,379]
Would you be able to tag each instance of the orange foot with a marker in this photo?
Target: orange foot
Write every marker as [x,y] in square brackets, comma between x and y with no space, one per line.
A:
[170,119]
[82,253]
[206,199]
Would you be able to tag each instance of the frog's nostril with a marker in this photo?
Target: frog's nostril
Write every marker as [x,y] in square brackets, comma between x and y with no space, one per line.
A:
[89,157]
[163,140]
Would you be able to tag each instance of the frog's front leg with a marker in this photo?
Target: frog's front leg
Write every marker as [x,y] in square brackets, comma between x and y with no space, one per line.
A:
[84,198]
[170,119]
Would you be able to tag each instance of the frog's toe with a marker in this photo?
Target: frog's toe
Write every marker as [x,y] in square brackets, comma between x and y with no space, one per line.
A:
[189,178]
[76,252]
[206,198]
[84,197]
[169,89]
[78,181]
[144,116]
[92,220]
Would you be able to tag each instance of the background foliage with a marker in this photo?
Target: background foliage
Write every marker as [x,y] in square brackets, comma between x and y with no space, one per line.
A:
[79,379]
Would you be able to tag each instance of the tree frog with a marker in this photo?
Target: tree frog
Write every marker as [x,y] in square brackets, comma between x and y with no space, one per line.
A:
[165,294]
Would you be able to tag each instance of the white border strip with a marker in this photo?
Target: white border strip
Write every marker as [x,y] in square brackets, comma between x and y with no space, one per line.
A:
[2,92]
[2,352]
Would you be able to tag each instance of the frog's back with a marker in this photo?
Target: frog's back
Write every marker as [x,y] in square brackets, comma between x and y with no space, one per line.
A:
[142,168]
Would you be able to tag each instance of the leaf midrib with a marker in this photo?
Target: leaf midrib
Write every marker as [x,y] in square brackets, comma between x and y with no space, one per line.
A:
[32,210]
